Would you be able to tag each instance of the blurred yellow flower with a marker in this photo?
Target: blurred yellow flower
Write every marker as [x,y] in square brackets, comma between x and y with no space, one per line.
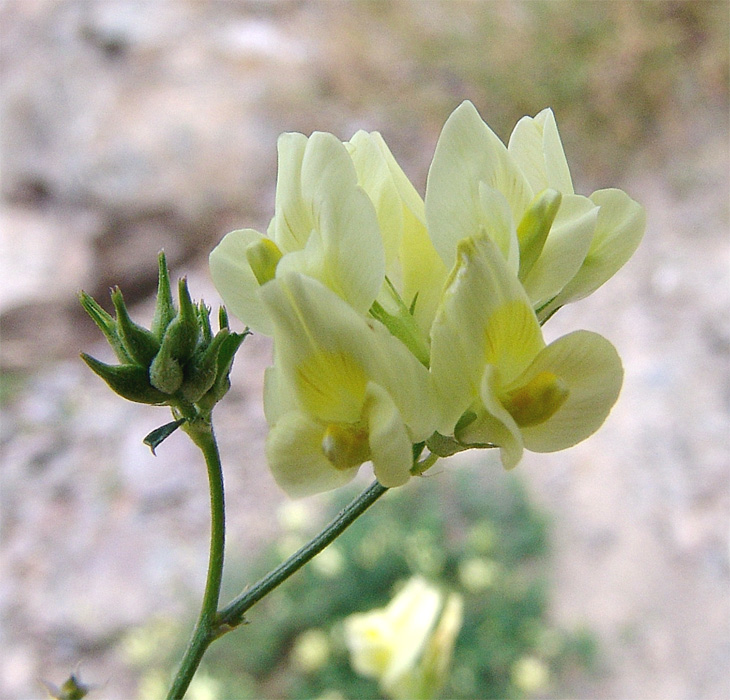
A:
[311,650]
[530,675]
[407,645]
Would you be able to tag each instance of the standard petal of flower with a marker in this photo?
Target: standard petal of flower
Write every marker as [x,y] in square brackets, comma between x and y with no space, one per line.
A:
[619,230]
[536,146]
[324,221]
[291,225]
[565,249]
[484,318]
[422,272]
[591,369]
[468,153]
[498,224]
[295,457]
[390,447]
[236,282]
[375,177]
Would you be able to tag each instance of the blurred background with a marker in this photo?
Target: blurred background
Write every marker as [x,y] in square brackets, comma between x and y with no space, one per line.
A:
[130,126]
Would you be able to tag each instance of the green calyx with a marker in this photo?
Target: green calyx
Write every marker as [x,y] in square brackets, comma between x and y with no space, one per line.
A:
[178,362]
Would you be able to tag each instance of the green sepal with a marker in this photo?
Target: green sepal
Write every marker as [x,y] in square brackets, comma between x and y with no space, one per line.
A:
[444,446]
[202,370]
[164,308]
[223,318]
[533,229]
[140,344]
[131,382]
[204,320]
[106,324]
[154,438]
[417,450]
[404,327]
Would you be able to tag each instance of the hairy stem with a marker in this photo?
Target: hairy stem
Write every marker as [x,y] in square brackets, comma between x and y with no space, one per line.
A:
[201,433]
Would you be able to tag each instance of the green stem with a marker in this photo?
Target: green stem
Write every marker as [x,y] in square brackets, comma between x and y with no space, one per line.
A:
[232,614]
[206,628]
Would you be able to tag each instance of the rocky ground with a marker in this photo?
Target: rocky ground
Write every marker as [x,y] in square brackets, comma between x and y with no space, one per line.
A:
[131,126]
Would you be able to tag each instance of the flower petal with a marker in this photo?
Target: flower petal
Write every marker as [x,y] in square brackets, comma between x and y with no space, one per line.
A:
[328,353]
[536,147]
[619,229]
[291,225]
[417,272]
[390,446]
[493,424]
[374,176]
[484,318]
[565,249]
[468,153]
[325,221]
[236,282]
[295,456]
[591,369]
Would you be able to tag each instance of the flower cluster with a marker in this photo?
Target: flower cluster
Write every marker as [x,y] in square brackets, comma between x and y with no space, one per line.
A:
[399,322]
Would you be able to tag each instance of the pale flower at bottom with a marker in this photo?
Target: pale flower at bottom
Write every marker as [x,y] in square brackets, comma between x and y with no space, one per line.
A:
[407,645]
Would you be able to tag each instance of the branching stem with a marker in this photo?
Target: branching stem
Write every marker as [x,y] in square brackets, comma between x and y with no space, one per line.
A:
[212,623]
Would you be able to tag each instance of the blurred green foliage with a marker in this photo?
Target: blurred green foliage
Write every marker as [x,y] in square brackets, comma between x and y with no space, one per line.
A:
[624,78]
[487,542]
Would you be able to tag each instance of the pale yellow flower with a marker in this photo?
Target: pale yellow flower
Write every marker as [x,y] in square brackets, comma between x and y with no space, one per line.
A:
[343,391]
[562,245]
[324,226]
[407,646]
[499,384]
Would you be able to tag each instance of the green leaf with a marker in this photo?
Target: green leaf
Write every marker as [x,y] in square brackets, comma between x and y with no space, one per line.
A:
[153,439]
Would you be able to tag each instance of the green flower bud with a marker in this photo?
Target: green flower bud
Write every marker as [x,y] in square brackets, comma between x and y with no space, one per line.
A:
[181,336]
[166,373]
[106,324]
[224,362]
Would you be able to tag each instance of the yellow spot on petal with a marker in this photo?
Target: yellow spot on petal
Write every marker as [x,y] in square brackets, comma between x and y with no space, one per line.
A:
[537,400]
[331,387]
[345,446]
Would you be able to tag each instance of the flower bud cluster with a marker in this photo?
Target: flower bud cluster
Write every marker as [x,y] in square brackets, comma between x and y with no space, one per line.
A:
[177,362]
[401,323]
